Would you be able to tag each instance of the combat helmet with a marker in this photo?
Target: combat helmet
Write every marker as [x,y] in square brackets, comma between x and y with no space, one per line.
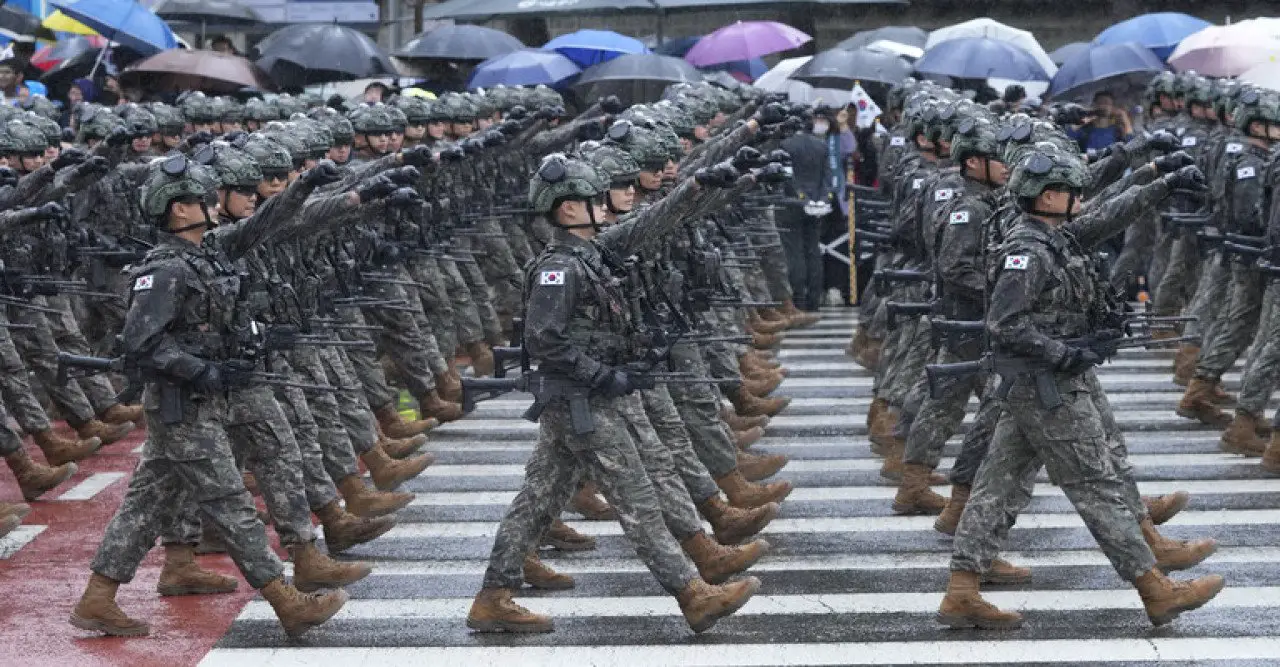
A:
[339,127]
[975,136]
[41,105]
[1047,167]
[272,157]
[641,143]
[234,168]
[50,129]
[1256,105]
[96,122]
[416,110]
[198,109]
[372,119]
[169,120]
[560,177]
[260,110]
[176,177]
[613,162]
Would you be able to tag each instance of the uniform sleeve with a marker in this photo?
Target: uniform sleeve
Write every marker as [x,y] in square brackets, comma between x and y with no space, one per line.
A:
[654,224]
[156,298]
[30,186]
[1023,276]
[961,245]
[1112,216]
[718,150]
[552,299]
[1245,188]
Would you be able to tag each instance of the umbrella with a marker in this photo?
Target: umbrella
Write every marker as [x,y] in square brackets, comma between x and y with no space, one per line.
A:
[308,53]
[901,34]
[1064,53]
[21,26]
[1265,75]
[479,10]
[981,58]
[677,47]
[59,22]
[1160,32]
[210,71]
[1225,50]
[896,48]
[460,42]
[841,69]
[48,57]
[121,21]
[592,47]
[527,67]
[745,71]
[996,31]
[636,78]
[1104,67]
[775,80]
[216,12]
[743,40]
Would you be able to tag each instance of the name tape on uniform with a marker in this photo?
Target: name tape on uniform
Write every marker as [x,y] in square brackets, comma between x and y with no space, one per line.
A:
[1016,262]
[552,278]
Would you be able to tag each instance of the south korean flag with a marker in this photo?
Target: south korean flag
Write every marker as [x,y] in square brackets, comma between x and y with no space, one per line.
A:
[1016,262]
[552,278]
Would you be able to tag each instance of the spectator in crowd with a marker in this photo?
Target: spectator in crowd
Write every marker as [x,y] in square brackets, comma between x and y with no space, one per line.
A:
[375,92]
[223,44]
[1106,125]
[9,79]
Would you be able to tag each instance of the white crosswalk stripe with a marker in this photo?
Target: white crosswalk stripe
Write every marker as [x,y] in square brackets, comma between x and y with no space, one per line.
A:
[847,582]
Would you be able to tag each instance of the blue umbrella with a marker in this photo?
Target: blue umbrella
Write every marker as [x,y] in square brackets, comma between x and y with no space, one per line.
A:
[1064,53]
[591,47]
[1104,67]
[1159,32]
[527,67]
[122,21]
[980,58]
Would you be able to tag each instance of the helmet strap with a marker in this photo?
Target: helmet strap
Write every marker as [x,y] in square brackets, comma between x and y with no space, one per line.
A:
[206,223]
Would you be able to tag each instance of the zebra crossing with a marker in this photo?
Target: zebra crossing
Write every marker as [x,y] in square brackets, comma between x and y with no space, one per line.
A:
[847,582]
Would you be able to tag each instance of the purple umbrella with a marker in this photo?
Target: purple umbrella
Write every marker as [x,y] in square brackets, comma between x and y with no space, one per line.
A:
[745,40]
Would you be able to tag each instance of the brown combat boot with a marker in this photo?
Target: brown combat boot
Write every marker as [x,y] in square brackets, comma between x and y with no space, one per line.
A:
[765,341]
[561,536]
[755,365]
[59,450]
[1163,508]
[963,606]
[762,387]
[366,502]
[947,522]
[1241,436]
[299,612]
[432,406]
[870,357]
[313,570]
[97,611]
[797,317]
[388,473]
[892,468]
[482,363]
[704,604]
[107,433]
[121,413]
[880,432]
[755,467]
[763,358]
[34,479]
[739,423]
[493,610]
[914,495]
[1219,395]
[343,529]
[1271,460]
[449,384]
[758,324]
[540,575]
[731,525]
[744,439]
[1165,598]
[1004,572]
[20,510]
[395,426]
[1184,364]
[211,540]
[744,494]
[749,405]
[9,522]
[402,448]
[181,574]
[773,315]
[588,502]
[1198,404]
[1172,555]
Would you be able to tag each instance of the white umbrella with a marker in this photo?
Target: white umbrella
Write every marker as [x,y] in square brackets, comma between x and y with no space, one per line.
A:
[897,49]
[775,80]
[1226,50]
[993,29]
[1265,75]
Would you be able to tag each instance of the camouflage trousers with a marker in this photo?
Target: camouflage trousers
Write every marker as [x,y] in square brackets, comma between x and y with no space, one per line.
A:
[316,481]
[37,347]
[518,239]
[977,440]
[473,278]
[346,427]
[1160,255]
[1263,371]
[467,325]
[671,431]
[436,314]
[10,442]
[909,363]
[1211,293]
[722,358]
[104,318]
[939,418]
[1091,469]
[1180,278]
[16,387]
[1238,323]
[699,408]
[678,511]
[184,464]
[1135,256]
[608,457]
[69,338]
[501,271]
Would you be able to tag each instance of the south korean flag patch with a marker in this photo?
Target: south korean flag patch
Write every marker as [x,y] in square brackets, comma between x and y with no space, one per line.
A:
[1016,262]
[897,141]
[944,194]
[552,278]
[143,283]
[917,183]
[959,218]
[1188,141]
[1233,147]
[1245,172]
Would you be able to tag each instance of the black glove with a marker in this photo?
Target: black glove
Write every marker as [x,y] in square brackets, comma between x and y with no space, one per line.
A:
[613,383]
[69,157]
[773,172]
[517,112]
[746,158]
[1078,360]
[492,138]
[118,137]
[416,156]
[236,373]
[404,197]
[376,188]
[471,145]
[510,127]
[1163,141]
[546,113]
[94,165]
[780,156]
[324,173]
[1167,164]
[771,113]
[612,105]
[1186,178]
[8,177]
[50,210]
[234,138]
[721,175]
[209,381]
[199,138]
[590,132]
[452,154]
[404,175]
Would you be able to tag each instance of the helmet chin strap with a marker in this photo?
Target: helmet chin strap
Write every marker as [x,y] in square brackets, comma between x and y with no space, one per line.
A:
[206,223]
[1068,216]
[591,215]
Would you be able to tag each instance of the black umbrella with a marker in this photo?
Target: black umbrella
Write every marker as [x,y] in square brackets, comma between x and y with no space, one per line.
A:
[902,34]
[471,10]
[20,26]
[307,53]
[635,78]
[841,69]
[59,79]
[460,42]
[212,12]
